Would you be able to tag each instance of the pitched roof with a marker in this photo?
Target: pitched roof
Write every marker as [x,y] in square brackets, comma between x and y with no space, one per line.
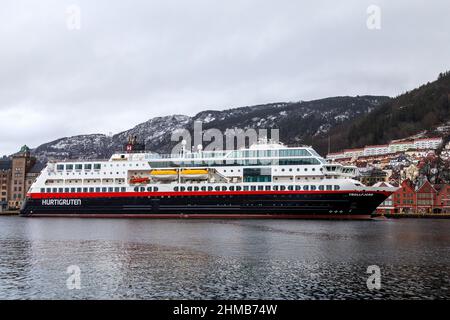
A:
[383,184]
[441,188]
[408,184]
[426,185]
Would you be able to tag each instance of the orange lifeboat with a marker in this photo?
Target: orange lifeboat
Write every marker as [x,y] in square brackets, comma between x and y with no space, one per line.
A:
[164,174]
[139,180]
[194,174]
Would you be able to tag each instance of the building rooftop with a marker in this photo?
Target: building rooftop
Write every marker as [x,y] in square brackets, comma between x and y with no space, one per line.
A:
[403,142]
[428,139]
[377,146]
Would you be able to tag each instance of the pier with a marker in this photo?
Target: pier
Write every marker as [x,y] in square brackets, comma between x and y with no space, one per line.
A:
[9,213]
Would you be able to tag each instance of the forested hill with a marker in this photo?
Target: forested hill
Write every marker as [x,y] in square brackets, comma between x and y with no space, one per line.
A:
[412,112]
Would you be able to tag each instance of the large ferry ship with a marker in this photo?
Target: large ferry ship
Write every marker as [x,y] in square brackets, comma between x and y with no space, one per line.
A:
[265,180]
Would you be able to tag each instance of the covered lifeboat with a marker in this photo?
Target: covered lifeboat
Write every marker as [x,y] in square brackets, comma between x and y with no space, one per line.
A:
[164,174]
[194,174]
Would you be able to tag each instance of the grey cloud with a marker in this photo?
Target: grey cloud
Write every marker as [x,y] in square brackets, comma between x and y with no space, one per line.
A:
[132,60]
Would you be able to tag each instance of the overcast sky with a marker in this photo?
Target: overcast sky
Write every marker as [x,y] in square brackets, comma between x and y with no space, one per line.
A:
[133,60]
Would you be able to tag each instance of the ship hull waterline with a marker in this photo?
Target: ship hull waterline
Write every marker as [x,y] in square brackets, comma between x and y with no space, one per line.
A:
[197,205]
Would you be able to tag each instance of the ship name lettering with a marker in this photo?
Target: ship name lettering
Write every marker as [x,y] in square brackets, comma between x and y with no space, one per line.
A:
[61,202]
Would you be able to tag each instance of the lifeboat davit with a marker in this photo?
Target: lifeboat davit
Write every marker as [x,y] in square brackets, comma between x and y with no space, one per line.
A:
[194,174]
[139,180]
[164,174]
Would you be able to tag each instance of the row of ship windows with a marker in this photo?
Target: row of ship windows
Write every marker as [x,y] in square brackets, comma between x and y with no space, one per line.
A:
[282,170]
[248,188]
[88,166]
[181,189]
[86,173]
[298,169]
[79,190]
[270,153]
[70,167]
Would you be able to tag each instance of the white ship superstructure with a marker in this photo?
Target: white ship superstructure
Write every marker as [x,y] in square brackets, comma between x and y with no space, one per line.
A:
[269,169]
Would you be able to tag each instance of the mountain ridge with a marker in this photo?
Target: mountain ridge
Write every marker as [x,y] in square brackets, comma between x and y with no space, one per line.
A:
[297,121]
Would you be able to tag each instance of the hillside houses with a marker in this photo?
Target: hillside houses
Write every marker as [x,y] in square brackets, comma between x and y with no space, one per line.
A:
[419,166]
[419,145]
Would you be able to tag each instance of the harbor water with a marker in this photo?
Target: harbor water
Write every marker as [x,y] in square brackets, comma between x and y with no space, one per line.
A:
[222,259]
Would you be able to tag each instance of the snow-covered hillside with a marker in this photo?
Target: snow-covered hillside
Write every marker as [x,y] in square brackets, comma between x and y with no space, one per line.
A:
[298,122]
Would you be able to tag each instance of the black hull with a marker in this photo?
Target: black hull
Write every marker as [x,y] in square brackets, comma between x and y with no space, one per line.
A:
[315,205]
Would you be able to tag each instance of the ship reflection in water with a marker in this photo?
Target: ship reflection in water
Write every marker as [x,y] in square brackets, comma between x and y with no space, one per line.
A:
[217,259]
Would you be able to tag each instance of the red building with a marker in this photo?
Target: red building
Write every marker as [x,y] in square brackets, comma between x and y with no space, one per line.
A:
[426,198]
[443,198]
[404,199]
